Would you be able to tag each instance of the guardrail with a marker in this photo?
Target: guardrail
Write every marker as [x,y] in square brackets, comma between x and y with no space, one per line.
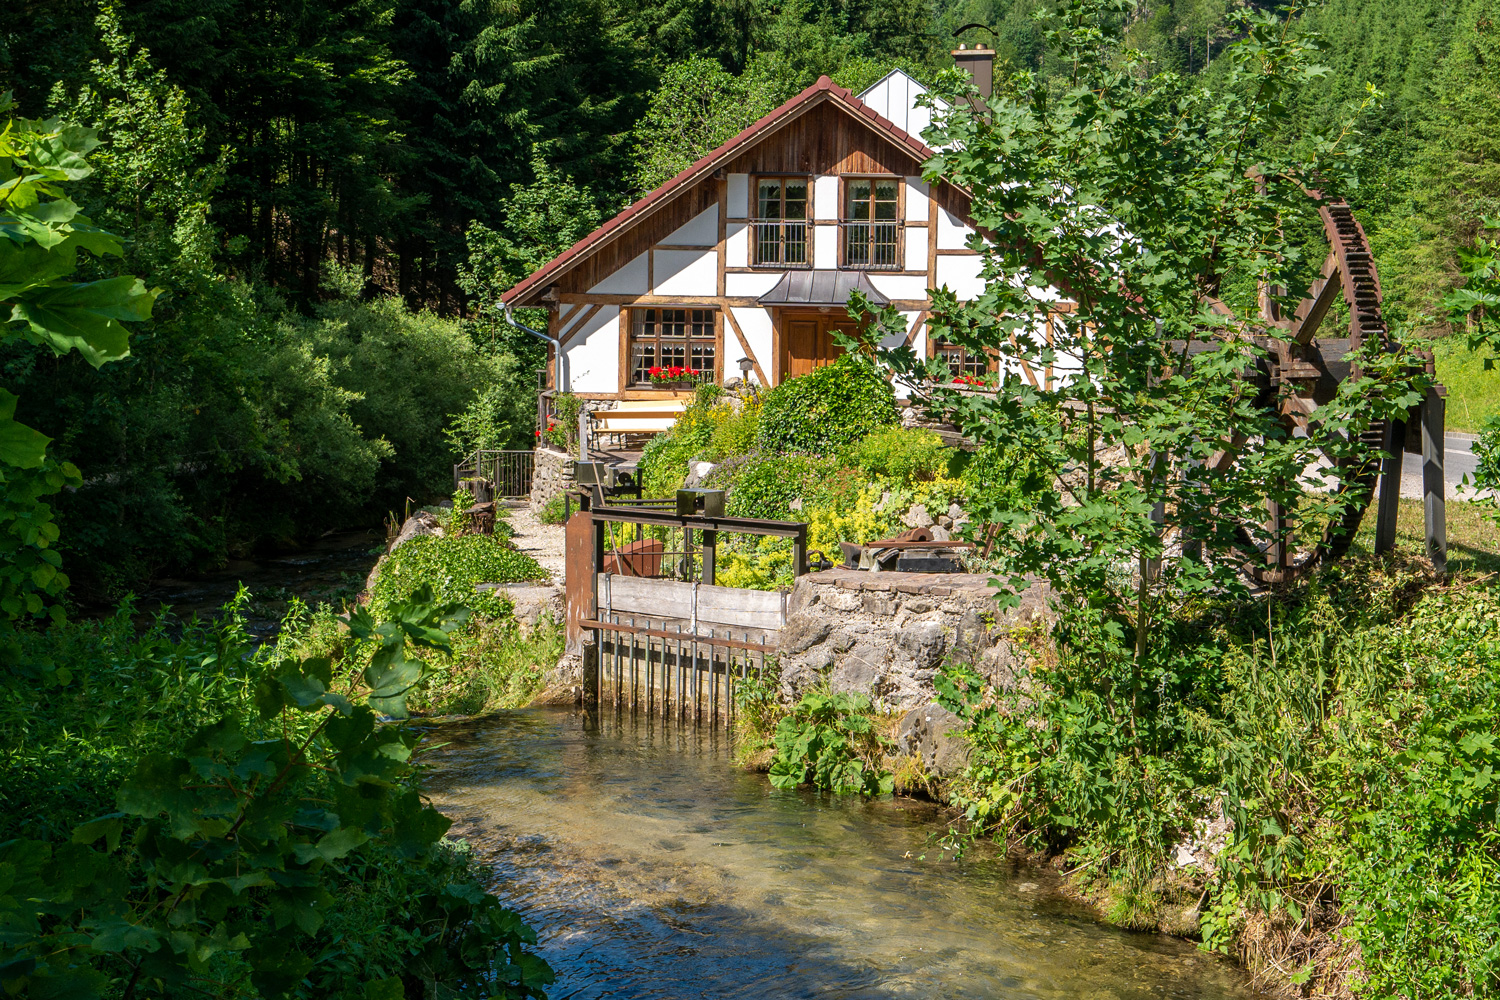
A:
[504,474]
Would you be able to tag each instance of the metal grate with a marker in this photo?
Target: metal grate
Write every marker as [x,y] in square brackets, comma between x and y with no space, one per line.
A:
[780,241]
[870,244]
[670,669]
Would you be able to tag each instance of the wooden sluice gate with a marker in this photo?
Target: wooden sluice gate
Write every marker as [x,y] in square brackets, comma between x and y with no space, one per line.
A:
[680,650]
[657,635]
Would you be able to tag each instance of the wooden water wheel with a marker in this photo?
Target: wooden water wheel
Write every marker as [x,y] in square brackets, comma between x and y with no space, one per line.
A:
[1303,372]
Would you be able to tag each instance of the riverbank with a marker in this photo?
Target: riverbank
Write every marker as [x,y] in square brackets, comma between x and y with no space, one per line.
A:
[1306,788]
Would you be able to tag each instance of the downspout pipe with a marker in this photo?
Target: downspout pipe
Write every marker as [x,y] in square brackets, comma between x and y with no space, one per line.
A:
[557,352]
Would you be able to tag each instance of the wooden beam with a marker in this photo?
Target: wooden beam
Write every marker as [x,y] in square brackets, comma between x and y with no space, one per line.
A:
[1311,312]
[709,301]
[916,328]
[578,321]
[745,344]
[1390,489]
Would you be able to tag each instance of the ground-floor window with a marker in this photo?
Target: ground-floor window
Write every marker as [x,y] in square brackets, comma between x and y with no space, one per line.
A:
[666,338]
[963,362]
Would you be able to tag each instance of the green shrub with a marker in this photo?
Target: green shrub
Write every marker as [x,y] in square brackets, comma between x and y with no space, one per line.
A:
[708,430]
[908,455]
[995,481]
[734,430]
[762,485]
[829,409]
[554,511]
[452,566]
[1353,748]
[829,742]
[268,837]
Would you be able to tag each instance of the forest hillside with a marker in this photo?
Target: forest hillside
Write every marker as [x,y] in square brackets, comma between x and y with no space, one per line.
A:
[328,196]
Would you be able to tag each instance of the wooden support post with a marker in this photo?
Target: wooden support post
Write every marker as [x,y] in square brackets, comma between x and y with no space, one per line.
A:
[1192,544]
[583,436]
[591,668]
[1390,488]
[1277,555]
[1433,505]
[710,550]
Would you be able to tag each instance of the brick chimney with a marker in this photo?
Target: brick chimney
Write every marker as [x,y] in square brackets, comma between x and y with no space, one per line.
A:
[978,62]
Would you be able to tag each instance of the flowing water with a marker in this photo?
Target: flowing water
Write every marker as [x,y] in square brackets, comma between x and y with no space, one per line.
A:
[652,867]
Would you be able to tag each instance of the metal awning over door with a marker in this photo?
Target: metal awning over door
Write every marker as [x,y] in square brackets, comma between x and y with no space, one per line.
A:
[821,288]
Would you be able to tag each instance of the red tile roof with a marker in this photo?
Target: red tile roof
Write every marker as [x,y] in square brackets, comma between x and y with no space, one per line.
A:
[824,90]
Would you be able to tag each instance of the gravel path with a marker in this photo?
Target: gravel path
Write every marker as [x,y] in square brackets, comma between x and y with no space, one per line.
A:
[542,542]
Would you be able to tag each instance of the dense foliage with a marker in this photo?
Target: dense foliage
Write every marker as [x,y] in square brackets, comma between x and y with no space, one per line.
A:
[453,565]
[828,741]
[830,408]
[190,817]
[1352,755]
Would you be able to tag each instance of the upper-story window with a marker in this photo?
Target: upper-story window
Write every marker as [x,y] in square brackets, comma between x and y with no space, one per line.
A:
[780,225]
[871,226]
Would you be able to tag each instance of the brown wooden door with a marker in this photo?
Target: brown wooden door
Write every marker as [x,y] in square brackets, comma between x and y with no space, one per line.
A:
[807,342]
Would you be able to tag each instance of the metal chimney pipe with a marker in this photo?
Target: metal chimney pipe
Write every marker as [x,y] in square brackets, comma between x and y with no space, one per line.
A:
[978,62]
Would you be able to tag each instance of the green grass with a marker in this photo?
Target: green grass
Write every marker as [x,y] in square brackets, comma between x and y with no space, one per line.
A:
[1473,541]
[1473,393]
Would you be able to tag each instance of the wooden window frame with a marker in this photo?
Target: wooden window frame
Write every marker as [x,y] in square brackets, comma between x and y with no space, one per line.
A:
[753,229]
[992,361]
[632,320]
[899,257]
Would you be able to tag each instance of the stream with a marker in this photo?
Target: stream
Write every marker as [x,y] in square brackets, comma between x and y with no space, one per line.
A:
[651,866]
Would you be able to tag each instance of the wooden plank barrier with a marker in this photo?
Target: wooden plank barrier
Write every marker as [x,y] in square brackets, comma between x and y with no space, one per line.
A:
[679,649]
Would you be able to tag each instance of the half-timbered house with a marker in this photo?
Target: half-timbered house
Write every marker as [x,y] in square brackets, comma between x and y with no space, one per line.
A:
[745,260]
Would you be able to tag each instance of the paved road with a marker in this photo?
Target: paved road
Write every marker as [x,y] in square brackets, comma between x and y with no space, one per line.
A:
[1458,461]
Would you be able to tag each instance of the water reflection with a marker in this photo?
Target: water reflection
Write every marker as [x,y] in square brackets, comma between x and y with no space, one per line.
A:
[652,867]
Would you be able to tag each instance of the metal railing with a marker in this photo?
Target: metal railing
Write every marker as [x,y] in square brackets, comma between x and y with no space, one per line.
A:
[872,245]
[780,241]
[506,474]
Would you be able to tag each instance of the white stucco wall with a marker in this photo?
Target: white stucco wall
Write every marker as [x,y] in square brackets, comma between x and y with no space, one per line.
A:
[895,96]
[916,248]
[751,285]
[755,323]
[702,230]
[901,286]
[686,272]
[594,353]
[826,247]
[737,244]
[737,200]
[961,275]
[952,233]
[628,280]
[826,198]
[916,199]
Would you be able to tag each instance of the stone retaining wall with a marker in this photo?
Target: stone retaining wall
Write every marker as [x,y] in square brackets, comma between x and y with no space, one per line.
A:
[552,474]
[886,634]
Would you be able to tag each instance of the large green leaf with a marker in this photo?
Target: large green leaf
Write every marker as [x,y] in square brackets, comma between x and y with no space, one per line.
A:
[20,446]
[87,317]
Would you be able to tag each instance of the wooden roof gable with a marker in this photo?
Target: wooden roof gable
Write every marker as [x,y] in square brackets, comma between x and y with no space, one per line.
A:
[824,93]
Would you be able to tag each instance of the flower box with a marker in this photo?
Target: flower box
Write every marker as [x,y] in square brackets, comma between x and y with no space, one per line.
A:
[677,377]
